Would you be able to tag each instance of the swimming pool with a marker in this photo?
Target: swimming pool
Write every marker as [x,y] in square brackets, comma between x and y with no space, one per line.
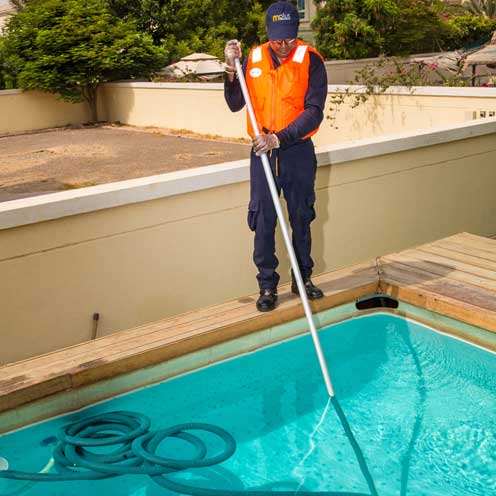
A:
[421,405]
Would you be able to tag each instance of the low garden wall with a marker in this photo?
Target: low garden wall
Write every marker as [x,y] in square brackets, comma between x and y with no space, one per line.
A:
[31,110]
[144,249]
[200,108]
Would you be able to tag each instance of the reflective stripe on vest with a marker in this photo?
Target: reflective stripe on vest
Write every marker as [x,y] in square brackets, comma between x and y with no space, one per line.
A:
[278,95]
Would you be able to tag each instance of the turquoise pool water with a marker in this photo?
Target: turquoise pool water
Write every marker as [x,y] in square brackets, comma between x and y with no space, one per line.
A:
[422,407]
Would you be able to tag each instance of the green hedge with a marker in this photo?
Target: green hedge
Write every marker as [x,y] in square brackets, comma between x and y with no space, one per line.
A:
[348,29]
[468,30]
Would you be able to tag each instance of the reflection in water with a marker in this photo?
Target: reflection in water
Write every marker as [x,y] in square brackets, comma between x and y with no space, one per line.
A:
[419,413]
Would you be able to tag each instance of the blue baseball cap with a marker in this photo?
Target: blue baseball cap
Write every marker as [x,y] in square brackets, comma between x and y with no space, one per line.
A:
[282,21]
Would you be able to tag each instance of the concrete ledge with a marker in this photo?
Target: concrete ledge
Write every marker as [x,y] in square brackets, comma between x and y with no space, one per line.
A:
[62,204]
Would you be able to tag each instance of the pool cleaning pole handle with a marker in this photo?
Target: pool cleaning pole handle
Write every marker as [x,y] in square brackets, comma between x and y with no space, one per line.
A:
[284,228]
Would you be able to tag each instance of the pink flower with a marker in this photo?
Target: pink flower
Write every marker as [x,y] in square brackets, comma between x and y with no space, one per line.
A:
[485,85]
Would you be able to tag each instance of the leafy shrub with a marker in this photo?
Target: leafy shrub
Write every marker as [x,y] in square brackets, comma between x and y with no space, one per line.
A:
[368,28]
[467,30]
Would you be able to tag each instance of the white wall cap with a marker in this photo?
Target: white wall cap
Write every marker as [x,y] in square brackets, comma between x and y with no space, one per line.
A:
[56,205]
[418,90]
[10,92]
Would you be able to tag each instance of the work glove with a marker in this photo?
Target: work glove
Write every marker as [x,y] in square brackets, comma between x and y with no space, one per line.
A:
[265,142]
[232,50]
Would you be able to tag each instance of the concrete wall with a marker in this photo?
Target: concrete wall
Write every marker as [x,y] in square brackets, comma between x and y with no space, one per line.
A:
[201,108]
[148,248]
[29,111]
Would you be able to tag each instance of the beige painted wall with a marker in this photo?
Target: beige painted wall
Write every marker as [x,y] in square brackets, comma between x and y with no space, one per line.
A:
[201,108]
[204,111]
[390,113]
[141,262]
[29,111]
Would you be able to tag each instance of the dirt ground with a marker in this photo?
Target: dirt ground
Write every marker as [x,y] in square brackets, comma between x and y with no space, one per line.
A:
[55,160]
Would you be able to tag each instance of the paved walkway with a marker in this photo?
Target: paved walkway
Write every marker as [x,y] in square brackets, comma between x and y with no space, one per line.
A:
[56,160]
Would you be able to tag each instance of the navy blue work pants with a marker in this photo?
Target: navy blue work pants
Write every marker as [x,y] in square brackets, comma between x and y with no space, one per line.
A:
[295,177]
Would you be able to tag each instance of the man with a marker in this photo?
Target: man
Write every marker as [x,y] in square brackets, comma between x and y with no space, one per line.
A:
[287,82]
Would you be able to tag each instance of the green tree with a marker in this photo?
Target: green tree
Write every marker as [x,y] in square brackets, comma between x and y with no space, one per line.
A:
[70,47]
[368,28]
[468,30]
[185,26]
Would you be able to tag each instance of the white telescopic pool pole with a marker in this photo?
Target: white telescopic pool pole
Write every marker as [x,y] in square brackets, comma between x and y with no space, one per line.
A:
[284,228]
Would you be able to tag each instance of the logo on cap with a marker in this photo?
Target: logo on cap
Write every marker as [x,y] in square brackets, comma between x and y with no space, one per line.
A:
[281,17]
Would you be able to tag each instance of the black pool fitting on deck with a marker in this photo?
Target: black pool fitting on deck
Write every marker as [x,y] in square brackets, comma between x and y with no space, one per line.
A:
[378,300]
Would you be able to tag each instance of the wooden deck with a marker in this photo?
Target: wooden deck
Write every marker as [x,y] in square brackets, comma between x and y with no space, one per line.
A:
[455,276]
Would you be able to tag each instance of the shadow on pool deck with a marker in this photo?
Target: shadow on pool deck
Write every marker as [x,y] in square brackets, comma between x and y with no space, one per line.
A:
[55,160]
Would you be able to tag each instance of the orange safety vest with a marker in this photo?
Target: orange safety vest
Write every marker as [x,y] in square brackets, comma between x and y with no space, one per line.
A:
[278,95]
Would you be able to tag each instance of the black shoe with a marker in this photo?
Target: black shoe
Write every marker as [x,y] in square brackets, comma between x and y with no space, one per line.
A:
[313,292]
[267,300]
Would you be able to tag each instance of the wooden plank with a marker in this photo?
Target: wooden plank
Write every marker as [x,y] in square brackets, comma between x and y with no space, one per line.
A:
[404,276]
[174,337]
[441,267]
[180,332]
[478,242]
[465,249]
[288,308]
[25,393]
[167,351]
[97,370]
[420,296]
[125,363]
[223,315]
[475,261]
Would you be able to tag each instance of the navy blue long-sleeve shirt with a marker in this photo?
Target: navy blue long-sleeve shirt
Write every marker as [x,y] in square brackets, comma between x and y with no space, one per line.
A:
[314,103]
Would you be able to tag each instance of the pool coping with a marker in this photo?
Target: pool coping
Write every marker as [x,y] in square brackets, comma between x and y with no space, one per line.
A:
[445,293]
